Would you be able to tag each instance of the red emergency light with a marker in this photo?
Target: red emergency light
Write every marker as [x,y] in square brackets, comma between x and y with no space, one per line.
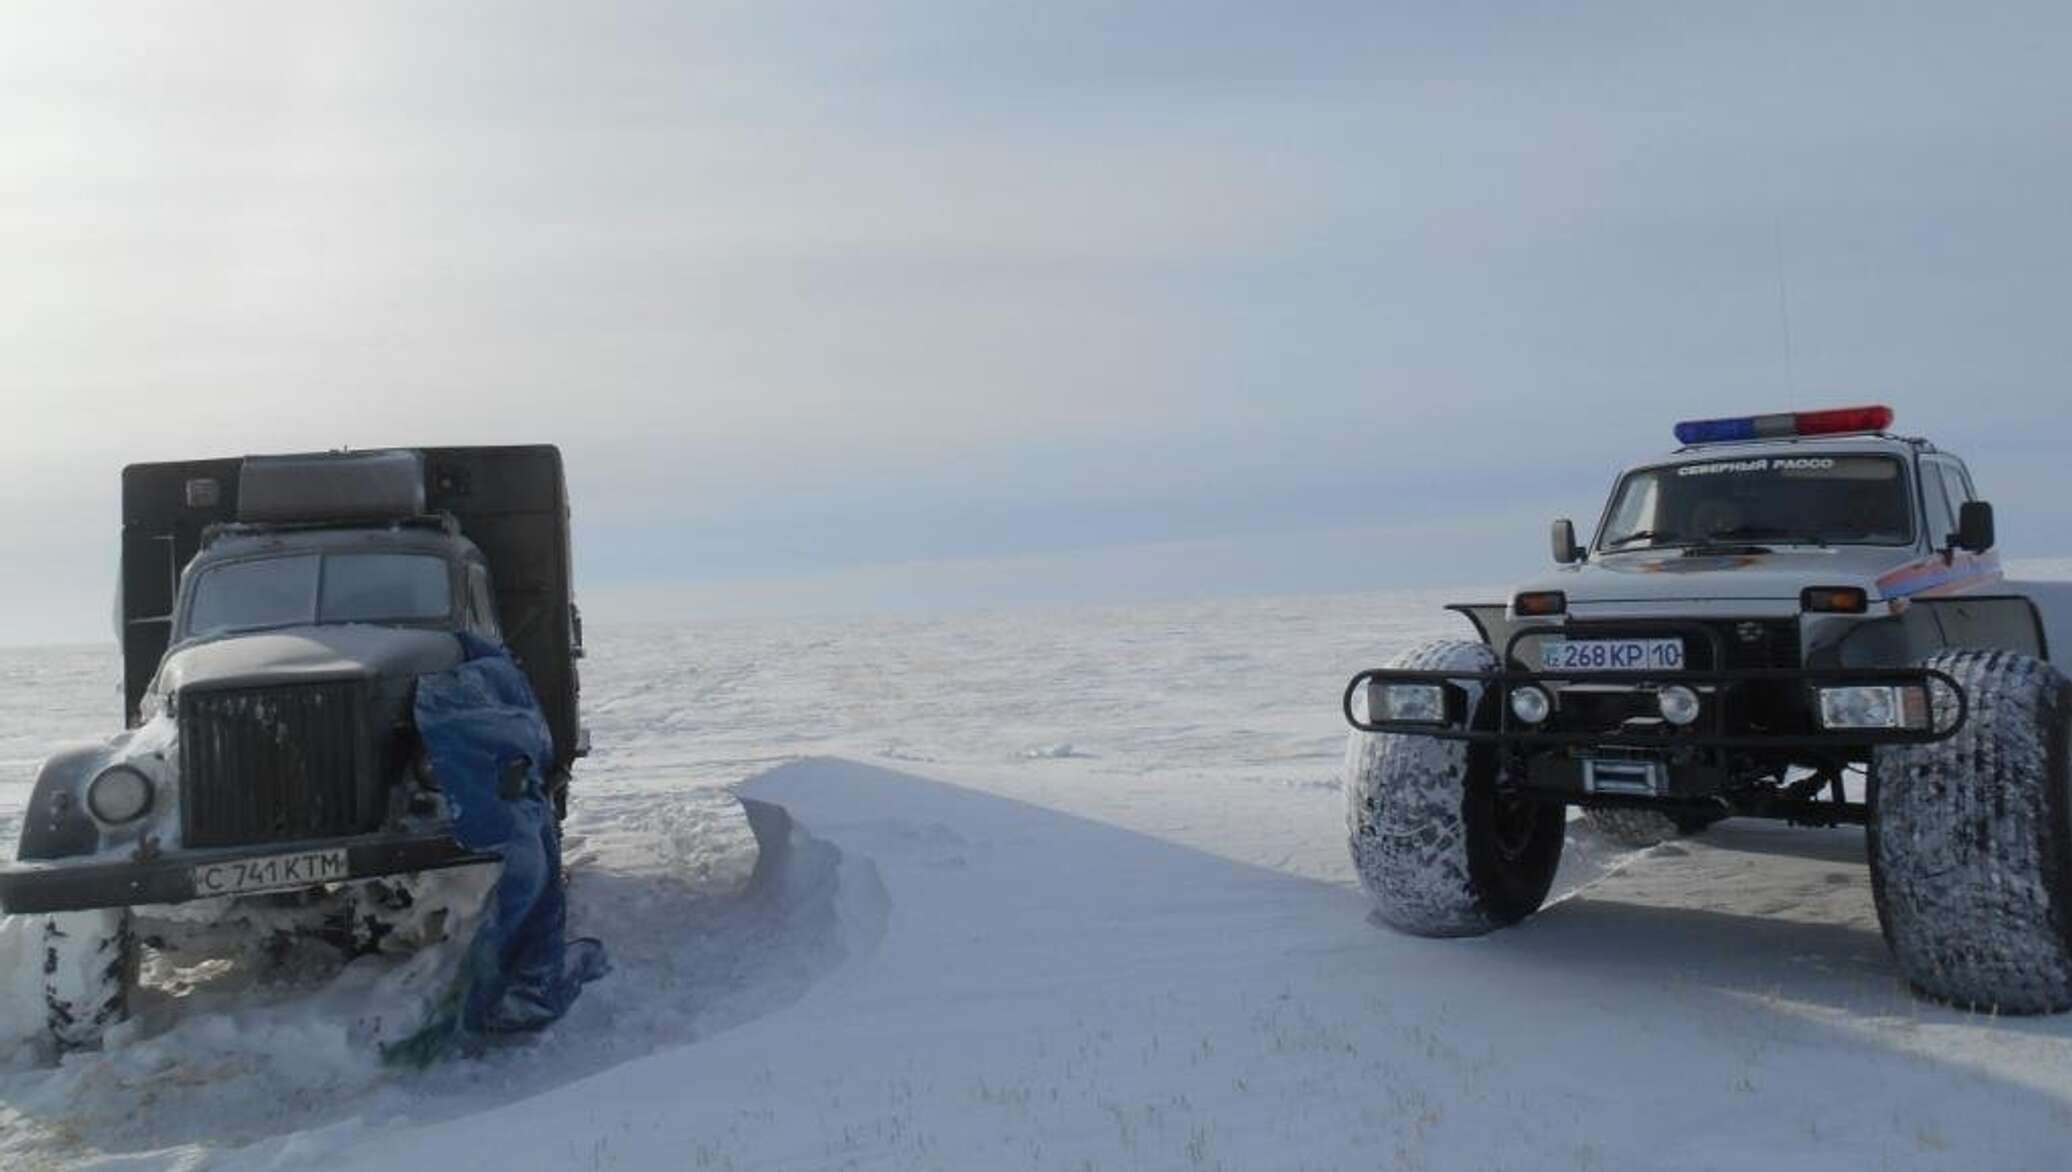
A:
[1837,421]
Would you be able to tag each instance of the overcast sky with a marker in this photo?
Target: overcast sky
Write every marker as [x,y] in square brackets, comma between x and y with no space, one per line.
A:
[937,303]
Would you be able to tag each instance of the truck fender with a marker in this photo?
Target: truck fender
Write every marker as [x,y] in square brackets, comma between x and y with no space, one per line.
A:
[56,824]
[1491,621]
[2053,601]
[1927,626]
[1494,623]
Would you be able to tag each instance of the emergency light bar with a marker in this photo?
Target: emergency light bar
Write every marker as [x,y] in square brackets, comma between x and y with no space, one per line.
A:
[1840,421]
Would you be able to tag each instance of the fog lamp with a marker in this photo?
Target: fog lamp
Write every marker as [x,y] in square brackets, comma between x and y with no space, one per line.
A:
[1531,704]
[1679,704]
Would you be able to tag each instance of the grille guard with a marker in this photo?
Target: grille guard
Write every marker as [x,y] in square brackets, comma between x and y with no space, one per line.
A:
[1710,732]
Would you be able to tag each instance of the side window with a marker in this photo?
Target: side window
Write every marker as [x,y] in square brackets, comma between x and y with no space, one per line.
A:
[1935,496]
[1957,479]
[482,602]
[1956,488]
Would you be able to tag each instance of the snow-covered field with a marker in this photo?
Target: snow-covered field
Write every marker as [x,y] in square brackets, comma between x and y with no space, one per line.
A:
[1059,891]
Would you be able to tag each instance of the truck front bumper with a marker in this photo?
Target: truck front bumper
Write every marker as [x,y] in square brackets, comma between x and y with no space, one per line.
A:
[1723,722]
[1715,729]
[65,885]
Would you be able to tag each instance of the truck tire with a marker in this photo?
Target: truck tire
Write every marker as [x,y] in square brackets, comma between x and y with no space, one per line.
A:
[1435,846]
[1971,842]
[1642,828]
[89,967]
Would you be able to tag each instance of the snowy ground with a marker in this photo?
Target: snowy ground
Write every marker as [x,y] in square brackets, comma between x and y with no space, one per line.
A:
[1062,891]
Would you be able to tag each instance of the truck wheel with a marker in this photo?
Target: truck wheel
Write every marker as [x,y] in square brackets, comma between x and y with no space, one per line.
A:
[89,967]
[1642,828]
[1435,845]
[1971,842]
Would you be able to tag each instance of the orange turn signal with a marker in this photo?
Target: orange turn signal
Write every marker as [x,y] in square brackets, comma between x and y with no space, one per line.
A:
[1540,602]
[1835,599]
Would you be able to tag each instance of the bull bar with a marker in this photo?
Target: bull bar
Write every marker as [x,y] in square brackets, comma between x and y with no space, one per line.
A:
[1711,733]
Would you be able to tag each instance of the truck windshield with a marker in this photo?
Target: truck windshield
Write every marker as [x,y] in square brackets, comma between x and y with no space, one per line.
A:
[1780,500]
[298,589]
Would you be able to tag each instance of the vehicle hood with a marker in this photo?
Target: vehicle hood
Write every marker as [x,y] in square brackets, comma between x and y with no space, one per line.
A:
[308,654]
[1672,576]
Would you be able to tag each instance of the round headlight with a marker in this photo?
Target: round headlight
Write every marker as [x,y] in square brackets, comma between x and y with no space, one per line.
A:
[1679,704]
[120,794]
[1531,705]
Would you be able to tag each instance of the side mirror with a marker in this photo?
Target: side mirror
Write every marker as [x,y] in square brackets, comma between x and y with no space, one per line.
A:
[1974,527]
[1566,551]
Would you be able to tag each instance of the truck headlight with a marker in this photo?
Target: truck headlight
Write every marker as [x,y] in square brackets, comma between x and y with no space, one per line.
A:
[118,795]
[1860,706]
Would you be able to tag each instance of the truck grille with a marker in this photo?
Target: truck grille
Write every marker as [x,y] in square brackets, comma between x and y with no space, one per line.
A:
[1759,706]
[1746,644]
[1751,643]
[275,764]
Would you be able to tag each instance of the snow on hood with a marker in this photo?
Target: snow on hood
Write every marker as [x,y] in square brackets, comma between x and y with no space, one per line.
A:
[1673,576]
[309,653]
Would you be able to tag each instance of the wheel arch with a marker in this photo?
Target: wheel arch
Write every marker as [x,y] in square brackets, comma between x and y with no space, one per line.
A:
[1491,621]
[55,825]
[1930,626]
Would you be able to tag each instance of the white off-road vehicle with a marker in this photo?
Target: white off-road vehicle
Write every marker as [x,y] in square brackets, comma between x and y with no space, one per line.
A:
[1798,617]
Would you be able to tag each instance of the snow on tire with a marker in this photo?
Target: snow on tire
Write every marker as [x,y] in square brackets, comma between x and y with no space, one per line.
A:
[1434,845]
[1971,842]
[89,965]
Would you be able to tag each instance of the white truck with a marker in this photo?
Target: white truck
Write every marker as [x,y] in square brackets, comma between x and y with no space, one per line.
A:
[1798,617]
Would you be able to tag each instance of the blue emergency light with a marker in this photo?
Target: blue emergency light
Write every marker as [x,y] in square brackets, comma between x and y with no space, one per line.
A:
[1840,421]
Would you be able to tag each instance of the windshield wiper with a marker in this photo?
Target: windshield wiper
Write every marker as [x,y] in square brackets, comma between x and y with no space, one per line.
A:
[1651,536]
[1774,533]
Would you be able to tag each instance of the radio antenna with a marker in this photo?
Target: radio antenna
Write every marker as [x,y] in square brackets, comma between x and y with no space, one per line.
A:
[1791,379]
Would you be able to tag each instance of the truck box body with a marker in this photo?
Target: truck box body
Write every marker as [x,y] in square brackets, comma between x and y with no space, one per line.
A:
[512,502]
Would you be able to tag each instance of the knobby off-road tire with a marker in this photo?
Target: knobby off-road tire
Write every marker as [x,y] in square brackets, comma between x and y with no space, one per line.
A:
[1440,853]
[89,968]
[1971,842]
[1641,828]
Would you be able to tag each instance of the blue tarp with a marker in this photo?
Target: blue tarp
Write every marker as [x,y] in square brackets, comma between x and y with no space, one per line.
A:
[490,747]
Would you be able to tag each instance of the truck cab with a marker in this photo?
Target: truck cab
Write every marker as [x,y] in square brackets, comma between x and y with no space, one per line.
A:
[1750,526]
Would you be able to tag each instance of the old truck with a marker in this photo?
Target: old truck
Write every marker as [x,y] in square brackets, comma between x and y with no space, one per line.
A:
[277,612]
[1799,617]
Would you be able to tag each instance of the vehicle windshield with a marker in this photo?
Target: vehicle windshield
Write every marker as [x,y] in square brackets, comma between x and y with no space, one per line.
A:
[298,589]
[1782,500]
